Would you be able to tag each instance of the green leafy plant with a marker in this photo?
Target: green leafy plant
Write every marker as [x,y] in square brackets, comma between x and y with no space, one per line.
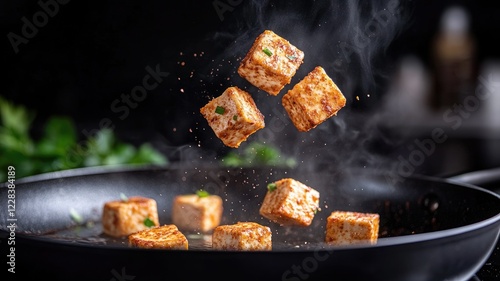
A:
[59,147]
[258,154]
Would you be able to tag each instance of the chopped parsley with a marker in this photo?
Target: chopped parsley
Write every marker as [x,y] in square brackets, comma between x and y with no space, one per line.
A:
[235,117]
[202,193]
[267,52]
[220,110]
[291,57]
[148,222]
[271,187]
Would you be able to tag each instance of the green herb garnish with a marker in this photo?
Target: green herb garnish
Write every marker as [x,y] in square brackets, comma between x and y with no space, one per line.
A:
[148,222]
[291,57]
[235,117]
[123,197]
[271,187]
[257,154]
[267,51]
[75,216]
[220,110]
[202,193]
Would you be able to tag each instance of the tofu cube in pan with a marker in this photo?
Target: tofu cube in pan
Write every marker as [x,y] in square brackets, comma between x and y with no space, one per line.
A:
[190,212]
[242,236]
[271,62]
[290,202]
[233,116]
[313,100]
[344,227]
[124,217]
[159,237]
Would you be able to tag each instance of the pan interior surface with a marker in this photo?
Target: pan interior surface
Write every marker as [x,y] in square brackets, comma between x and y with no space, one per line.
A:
[410,208]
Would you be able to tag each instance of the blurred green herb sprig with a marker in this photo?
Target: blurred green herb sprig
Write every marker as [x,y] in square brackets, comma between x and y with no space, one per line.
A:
[59,147]
[258,154]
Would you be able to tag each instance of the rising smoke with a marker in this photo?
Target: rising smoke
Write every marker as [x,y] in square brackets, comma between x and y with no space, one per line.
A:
[349,39]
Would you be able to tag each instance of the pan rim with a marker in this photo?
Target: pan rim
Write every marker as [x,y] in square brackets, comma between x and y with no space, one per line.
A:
[382,242]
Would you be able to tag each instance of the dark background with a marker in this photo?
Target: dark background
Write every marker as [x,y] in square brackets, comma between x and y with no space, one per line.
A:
[83,57]
[87,54]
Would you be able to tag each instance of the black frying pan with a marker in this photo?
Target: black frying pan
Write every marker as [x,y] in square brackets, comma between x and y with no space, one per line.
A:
[430,228]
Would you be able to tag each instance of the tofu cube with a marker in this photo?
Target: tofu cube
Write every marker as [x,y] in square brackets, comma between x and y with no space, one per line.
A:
[271,62]
[124,217]
[242,236]
[159,237]
[313,100]
[290,202]
[352,227]
[192,213]
[233,116]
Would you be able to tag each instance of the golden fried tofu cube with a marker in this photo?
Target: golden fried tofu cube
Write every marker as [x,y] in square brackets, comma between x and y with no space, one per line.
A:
[191,212]
[159,237]
[344,227]
[243,236]
[290,202]
[233,116]
[124,217]
[271,62]
[313,100]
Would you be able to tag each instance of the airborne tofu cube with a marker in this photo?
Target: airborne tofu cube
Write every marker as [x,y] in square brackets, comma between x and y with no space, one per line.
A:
[124,217]
[246,236]
[270,63]
[191,212]
[290,202]
[159,237]
[352,227]
[313,100]
[233,116]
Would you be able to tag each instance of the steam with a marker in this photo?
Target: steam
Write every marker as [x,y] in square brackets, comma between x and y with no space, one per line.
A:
[349,39]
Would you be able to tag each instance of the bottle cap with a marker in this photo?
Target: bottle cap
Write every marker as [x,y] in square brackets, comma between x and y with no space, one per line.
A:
[455,21]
